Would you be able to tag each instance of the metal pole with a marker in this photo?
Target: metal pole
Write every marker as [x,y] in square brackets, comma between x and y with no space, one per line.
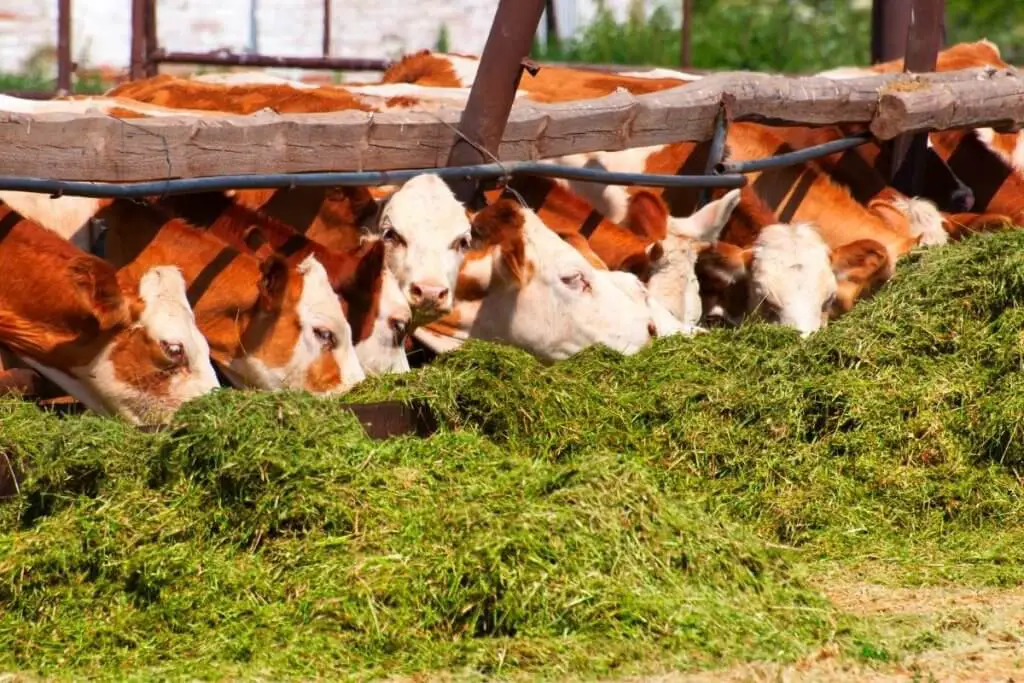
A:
[686,31]
[138,57]
[151,66]
[327,28]
[924,39]
[890,20]
[64,65]
[490,100]
[233,59]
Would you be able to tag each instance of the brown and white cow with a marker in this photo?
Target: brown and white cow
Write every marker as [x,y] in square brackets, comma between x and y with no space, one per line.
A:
[549,84]
[648,243]
[376,310]
[123,343]
[269,325]
[526,287]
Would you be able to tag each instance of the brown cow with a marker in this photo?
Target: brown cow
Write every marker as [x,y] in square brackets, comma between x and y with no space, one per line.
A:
[269,325]
[122,343]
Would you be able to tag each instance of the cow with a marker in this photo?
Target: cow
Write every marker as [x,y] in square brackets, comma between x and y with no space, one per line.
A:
[998,186]
[658,250]
[376,310]
[522,285]
[269,325]
[548,84]
[122,342]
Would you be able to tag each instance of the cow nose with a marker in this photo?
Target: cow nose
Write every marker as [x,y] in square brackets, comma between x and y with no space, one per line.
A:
[652,330]
[421,293]
[962,200]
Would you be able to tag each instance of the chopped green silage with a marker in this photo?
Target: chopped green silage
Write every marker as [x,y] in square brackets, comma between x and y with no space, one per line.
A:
[589,518]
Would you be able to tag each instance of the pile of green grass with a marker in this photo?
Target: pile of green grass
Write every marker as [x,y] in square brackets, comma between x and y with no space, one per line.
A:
[590,517]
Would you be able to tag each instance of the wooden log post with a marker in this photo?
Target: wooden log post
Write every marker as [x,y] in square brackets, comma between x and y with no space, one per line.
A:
[490,100]
[924,40]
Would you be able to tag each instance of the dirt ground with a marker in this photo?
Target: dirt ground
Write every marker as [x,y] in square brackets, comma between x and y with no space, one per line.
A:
[981,634]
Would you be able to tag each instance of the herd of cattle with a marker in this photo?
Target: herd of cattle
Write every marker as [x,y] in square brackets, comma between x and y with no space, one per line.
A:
[130,305]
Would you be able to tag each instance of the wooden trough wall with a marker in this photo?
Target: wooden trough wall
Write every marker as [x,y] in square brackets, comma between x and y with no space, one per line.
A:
[99,147]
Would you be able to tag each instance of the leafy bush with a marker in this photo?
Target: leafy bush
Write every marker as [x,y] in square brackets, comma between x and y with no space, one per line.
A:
[773,35]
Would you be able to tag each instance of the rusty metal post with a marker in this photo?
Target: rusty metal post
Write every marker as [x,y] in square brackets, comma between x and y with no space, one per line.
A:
[151,66]
[490,100]
[64,65]
[924,40]
[327,28]
[138,58]
[686,34]
[890,20]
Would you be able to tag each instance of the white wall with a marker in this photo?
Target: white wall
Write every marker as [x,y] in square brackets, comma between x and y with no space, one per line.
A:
[360,28]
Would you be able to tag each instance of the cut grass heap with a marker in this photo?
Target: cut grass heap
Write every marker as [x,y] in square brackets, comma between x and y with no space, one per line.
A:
[588,517]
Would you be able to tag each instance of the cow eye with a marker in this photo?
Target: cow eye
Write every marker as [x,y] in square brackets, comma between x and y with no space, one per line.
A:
[326,337]
[576,281]
[175,352]
[462,243]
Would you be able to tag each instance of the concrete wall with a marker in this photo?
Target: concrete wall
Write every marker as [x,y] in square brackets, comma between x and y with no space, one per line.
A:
[101,31]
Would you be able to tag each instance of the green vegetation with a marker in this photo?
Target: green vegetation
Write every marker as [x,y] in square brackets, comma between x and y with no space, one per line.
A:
[604,515]
[773,35]
[38,82]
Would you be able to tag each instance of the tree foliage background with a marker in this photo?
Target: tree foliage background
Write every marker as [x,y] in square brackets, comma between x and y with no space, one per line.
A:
[773,35]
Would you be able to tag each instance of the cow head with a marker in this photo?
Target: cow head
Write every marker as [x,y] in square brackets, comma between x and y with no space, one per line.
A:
[528,288]
[154,358]
[427,232]
[298,337]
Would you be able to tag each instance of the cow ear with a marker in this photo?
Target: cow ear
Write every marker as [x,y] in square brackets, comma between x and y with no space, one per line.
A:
[501,225]
[708,223]
[655,251]
[861,268]
[96,286]
[273,283]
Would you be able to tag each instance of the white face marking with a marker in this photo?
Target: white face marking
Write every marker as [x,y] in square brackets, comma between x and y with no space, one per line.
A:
[323,329]
[427,233]
[168,320]
[384,350]
[319,309]
[673,280]
[566,306]
[924,219]
[791,277]
[665,323]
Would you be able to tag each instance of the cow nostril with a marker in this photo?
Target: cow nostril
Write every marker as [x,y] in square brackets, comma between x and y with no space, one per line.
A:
[443,294]
[652,329]
[415,290]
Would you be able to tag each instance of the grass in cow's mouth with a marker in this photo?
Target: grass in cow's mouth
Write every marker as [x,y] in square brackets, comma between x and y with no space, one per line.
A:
[680,505]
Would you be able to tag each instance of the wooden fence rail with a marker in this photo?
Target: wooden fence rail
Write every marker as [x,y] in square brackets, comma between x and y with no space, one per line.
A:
[99,147]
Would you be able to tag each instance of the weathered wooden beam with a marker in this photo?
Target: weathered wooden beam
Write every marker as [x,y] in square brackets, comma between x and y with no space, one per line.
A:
[102,148]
